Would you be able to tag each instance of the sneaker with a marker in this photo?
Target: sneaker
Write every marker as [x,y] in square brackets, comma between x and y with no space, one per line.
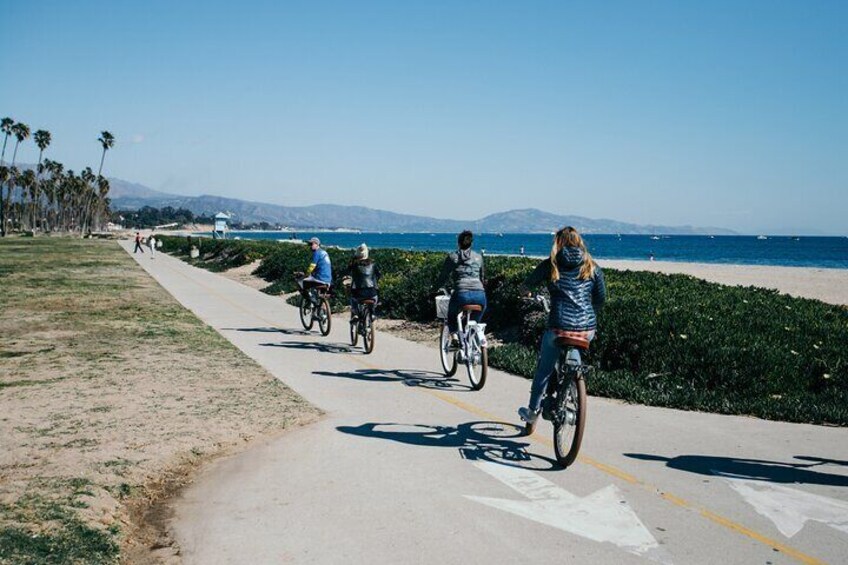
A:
[528,415]
[454,343]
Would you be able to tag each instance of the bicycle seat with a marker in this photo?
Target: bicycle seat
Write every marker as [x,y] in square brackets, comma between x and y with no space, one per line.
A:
[472,308]
[566,339]
[368,301]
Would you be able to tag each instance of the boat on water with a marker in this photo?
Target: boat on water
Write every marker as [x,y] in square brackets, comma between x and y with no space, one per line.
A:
[761,237]
[655,237]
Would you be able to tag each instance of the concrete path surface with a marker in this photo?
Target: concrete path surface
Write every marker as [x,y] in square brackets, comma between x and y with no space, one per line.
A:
[408,466]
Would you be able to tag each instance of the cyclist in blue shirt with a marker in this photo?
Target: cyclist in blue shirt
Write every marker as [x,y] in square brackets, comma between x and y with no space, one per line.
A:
[320,271]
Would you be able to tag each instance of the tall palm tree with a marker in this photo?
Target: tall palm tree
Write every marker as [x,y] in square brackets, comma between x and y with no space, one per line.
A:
[21,131]
[42,139]
[107,140]
[6,127]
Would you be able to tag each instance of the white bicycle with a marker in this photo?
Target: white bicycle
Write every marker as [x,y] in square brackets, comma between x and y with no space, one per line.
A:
[473,348]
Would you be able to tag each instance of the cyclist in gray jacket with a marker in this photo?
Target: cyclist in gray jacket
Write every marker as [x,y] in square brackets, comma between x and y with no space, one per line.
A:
[464,269]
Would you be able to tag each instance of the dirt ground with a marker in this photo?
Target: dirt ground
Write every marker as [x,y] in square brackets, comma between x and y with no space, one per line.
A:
[111,393]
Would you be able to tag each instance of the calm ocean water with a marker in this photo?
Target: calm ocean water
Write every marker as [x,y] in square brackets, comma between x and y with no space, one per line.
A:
[828,252]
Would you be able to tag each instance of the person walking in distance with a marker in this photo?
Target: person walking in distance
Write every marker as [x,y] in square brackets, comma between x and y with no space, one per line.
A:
[138,243]
[151,241]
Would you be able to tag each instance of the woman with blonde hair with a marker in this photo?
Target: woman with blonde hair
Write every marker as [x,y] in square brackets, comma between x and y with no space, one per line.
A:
[578,292]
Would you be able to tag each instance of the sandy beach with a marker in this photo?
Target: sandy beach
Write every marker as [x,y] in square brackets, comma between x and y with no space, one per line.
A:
[827,285]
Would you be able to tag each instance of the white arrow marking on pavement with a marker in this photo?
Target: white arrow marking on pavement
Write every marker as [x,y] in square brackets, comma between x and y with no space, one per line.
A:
[602,516]
[790,508]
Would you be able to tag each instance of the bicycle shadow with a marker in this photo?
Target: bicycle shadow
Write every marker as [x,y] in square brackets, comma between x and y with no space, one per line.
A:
[495,442]
[409,377]
[313,345]
[752,469]
[270,330]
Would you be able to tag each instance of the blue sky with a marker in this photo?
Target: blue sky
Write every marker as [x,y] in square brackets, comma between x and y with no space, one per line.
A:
[731,114]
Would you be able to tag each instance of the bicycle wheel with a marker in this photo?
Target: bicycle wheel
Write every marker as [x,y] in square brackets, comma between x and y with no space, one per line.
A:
[570,419]
[325,317]
[477,368]
[354,333]
[368,335]
[448,358]
[306,313]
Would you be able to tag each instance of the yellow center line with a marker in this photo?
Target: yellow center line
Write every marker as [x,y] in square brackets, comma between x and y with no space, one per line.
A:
[603,467]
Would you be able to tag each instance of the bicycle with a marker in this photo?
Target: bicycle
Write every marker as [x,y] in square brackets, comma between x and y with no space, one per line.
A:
[473,348]
[363,325]
[315,306]
[564,402]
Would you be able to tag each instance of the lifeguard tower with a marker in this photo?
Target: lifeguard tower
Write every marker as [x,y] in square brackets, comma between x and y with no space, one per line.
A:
[221,226]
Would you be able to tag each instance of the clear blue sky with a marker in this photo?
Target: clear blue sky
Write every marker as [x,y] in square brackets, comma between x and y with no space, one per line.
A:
[732,114]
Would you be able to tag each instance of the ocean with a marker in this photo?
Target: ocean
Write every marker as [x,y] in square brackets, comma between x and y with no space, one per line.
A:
[824,252]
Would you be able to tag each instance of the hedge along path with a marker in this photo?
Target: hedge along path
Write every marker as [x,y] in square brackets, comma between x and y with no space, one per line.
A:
[110,393]
[665,340]
[697,508]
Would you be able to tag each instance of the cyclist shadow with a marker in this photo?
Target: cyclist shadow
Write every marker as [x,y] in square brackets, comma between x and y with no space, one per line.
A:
[495,442]
[313,345]
[414,378]
[753,469]
[270,330]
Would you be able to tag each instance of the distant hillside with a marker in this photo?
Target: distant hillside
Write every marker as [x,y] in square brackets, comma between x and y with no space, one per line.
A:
[130,196]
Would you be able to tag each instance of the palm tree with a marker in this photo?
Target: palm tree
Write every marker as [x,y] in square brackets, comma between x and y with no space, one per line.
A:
[107,140]
[42,139]
[27,183]
[6,127]
[21,131]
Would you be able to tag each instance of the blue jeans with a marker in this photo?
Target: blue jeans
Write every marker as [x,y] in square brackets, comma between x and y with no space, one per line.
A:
[548,356]
[462,298]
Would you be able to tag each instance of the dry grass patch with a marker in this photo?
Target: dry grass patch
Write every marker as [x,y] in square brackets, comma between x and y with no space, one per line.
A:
[110,393]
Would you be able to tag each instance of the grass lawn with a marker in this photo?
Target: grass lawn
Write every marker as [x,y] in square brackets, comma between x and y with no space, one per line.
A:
[110,394]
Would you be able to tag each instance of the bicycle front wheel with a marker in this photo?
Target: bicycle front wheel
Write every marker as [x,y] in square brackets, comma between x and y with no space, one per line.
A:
[325,317]
[368,334]
[570,419]
[306,313]
[447,357]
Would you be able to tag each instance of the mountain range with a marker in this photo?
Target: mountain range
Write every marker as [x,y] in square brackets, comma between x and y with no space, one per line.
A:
[131,196]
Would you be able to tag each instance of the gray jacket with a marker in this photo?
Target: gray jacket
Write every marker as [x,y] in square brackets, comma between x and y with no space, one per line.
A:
[464,267]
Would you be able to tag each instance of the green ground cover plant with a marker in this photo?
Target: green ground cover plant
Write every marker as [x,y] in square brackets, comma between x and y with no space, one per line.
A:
[663,340]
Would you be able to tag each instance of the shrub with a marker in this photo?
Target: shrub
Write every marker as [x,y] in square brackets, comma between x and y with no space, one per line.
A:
[664,340]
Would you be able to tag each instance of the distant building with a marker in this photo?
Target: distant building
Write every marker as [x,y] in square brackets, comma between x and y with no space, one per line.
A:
[221,226]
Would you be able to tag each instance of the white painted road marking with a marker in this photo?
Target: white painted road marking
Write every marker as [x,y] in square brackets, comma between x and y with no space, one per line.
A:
[603,516]
[790,508]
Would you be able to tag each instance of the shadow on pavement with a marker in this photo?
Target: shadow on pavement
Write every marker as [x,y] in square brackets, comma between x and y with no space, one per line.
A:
[314,345]
[409,377]
[269,330]
[753,469]
[495,442]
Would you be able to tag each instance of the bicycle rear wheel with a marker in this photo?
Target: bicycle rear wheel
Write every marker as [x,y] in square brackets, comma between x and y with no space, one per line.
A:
[354,333]
[447,357]
[570,419]
[477,371]
[306,313]
[325,317]
[368,335]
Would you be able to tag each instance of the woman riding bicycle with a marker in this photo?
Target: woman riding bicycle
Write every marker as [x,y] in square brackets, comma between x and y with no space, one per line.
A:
[464,267]
[364,275]
[578,292]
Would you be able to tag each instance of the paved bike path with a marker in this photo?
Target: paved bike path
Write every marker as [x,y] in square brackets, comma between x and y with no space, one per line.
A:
[410,467]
